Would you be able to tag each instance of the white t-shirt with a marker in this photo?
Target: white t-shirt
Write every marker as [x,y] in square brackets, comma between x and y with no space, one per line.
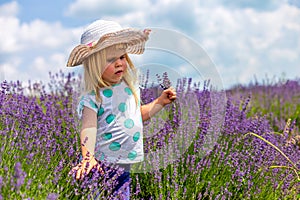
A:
[120,127]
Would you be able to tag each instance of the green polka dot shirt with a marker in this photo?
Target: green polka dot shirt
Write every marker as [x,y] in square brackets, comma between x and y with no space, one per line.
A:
[120,128]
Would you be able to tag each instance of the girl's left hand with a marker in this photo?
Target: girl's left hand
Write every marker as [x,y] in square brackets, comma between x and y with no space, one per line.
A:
[85,166]
[167,96]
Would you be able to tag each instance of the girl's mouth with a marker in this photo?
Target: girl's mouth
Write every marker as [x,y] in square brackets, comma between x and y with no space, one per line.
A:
[119,72]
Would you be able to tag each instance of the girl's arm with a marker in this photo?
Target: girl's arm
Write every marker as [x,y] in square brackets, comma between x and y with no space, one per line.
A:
[88,140]
[150,109]
[88,131]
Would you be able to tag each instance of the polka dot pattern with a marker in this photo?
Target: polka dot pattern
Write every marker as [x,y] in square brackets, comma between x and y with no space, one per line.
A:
[129,123]
[100,111]
[122,107]
[119,124]
[110,118]
[107,136]
[115,146]
[128,91]
[132,155]
[136,136]
[102,156]
[108,93]
[81,104]
[93,104]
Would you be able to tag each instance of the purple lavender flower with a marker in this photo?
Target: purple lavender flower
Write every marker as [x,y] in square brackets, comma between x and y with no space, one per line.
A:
[52,196]
[43,130]
[19,175]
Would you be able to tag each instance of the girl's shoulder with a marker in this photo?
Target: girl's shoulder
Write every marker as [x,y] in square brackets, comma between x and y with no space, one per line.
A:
[88,99]
[88,95]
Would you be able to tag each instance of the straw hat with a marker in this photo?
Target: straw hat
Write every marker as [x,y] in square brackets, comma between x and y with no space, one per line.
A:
[101,34]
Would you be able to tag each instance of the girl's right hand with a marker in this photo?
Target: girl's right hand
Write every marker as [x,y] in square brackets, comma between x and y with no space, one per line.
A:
[85,166]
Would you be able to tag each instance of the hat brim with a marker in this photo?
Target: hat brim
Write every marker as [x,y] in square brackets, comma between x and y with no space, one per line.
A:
[132,39]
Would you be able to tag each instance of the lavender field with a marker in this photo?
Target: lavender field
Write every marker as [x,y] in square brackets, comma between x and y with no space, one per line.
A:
[255,156]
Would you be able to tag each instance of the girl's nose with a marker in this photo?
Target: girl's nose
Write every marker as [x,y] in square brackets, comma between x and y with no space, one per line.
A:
[118,62]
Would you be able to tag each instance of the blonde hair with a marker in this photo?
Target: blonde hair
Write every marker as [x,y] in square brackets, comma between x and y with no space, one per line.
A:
[94,67]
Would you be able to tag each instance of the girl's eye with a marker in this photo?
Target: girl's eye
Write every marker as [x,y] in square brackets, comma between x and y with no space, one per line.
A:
[110,60]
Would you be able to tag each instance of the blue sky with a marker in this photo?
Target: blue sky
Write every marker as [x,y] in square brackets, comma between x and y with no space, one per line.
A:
[244,38]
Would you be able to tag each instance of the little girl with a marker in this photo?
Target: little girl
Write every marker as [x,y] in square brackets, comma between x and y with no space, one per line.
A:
[110,108]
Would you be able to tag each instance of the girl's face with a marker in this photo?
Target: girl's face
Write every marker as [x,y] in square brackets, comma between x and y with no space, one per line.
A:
[116,65]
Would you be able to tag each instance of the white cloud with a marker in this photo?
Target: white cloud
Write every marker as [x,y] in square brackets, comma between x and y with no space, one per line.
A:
[9,24]
[9,70]
[286,54]
[241,40]
[100,8]
[249,39]
[8,37]
[9,9]
[30,50]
